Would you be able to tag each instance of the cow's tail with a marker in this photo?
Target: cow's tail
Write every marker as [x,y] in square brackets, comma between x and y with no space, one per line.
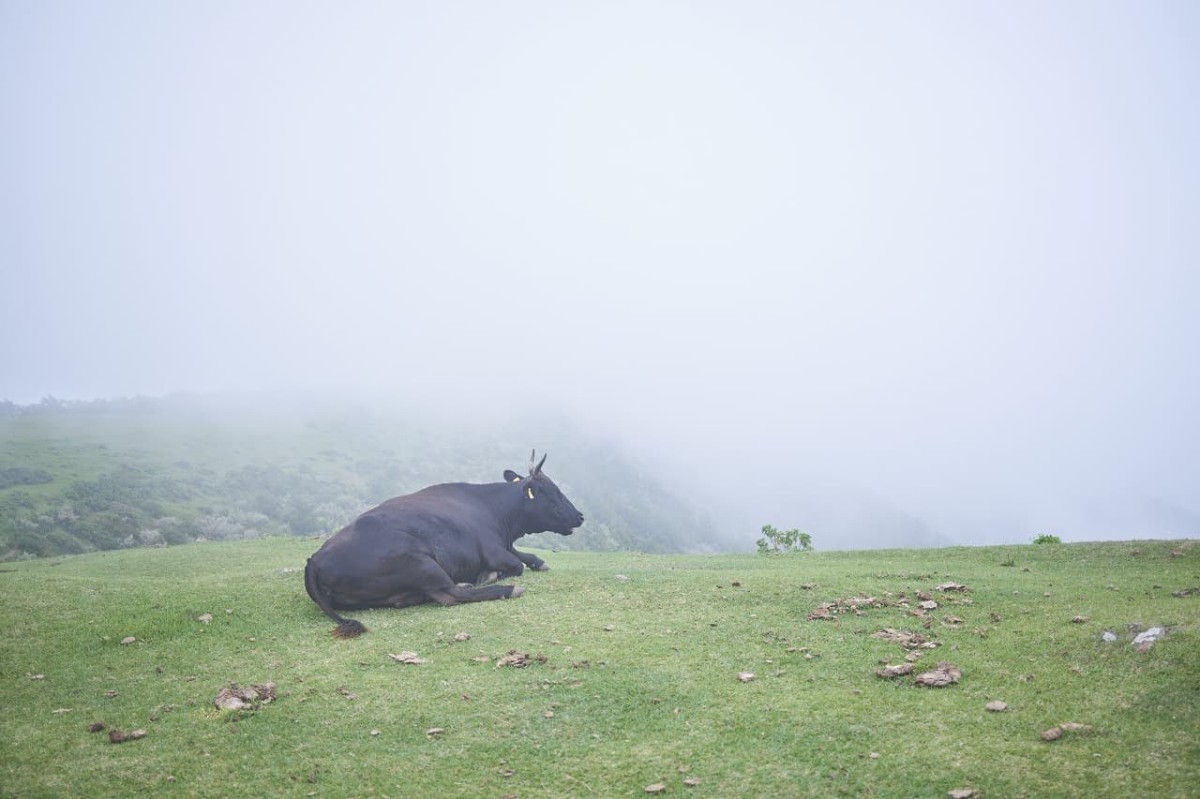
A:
[347,628]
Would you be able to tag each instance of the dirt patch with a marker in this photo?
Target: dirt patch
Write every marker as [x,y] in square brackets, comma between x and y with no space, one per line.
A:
[858,605]
[234,697]
[906,639]
[519,660]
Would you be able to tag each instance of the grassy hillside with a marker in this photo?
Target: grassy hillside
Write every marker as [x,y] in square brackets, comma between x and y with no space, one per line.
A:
[632,679]
[81,477]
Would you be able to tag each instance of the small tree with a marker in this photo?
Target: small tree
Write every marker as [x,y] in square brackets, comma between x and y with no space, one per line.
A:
[778,541]
[1047,538]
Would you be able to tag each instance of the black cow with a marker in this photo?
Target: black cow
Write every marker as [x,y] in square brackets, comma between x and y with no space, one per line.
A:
[444,543]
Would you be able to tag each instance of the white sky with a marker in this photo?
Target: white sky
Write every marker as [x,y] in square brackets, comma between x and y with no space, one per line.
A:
[935,259]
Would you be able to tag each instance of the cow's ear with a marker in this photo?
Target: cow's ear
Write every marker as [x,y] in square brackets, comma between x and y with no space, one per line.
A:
[511,477]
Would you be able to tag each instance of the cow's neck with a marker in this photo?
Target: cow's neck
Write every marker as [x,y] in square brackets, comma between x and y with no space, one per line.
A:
[510,510]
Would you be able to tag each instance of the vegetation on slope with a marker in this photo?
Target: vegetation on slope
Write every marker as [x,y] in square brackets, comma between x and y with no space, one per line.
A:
[84,476]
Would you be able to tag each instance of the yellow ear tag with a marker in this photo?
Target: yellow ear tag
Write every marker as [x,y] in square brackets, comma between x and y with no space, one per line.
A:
[529,491]
[516,479]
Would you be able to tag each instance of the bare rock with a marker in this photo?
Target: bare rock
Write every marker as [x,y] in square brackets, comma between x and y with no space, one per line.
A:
[945,674]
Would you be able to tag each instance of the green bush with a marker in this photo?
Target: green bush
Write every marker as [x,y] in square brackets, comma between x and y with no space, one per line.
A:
[1047,538]
[778,541]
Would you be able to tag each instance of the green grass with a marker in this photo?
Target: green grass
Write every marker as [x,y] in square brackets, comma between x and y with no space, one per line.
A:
[639,683]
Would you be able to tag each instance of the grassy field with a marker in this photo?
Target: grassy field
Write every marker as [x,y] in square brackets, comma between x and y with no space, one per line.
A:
[632,680]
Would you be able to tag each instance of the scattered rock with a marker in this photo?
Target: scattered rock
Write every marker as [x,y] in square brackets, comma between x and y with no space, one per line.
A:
[952,587]
[1108,636]
[374,733]
[1186,592]
[36,676]
[1143,641]
[1052,734]
[891,672]
[204,618]
[997,706]
[462,636]
[234,697]
[945,674]
[112,694]
[519,660]
[906,639]
[854,604]
[411,658]
[434,732]
[963,793]
[1078,619]
[929,604]
[745,676]
[657,787]
[98,726]
[621,577]
[1074,726]
[127,640]
[120,736]
[692,782]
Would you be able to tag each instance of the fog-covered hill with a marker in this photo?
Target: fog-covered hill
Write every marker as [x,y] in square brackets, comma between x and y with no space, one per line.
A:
[107,474]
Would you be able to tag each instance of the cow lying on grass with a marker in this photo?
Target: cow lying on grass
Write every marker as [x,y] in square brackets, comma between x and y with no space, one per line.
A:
[444,544]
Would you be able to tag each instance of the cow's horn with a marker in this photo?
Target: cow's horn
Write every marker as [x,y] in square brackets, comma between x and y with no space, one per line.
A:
[532,455]
[536,469]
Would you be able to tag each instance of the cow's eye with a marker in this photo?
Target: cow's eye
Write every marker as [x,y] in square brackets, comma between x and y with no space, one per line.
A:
[529,492]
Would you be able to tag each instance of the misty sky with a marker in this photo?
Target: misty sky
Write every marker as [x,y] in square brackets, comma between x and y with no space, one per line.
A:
[840,265]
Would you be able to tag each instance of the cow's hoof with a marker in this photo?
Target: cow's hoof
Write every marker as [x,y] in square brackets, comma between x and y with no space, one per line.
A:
[545,567]
[517,591]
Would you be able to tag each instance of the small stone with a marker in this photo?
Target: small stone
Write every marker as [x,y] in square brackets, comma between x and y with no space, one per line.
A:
[899,670]
[1108,636]
[997,706]
[204,618]
[692,782]
[745,676]
[657,787]
[1052,734]
[874,755]
[1078,619]
[127,640]
[1149,636]
[374,733]
[411,658]
[462,636]
[945,674]
[963,793]
[434,732]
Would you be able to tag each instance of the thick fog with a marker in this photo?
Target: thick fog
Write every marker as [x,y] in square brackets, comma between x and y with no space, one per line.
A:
[892,273]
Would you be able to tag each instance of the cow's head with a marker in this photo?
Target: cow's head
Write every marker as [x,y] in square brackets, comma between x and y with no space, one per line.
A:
[544,506]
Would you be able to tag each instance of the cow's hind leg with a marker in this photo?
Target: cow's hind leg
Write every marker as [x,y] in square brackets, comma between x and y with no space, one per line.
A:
[433,581]
[457,594]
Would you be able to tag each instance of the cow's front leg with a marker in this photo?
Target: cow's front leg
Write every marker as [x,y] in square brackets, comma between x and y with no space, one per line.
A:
[531,560]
